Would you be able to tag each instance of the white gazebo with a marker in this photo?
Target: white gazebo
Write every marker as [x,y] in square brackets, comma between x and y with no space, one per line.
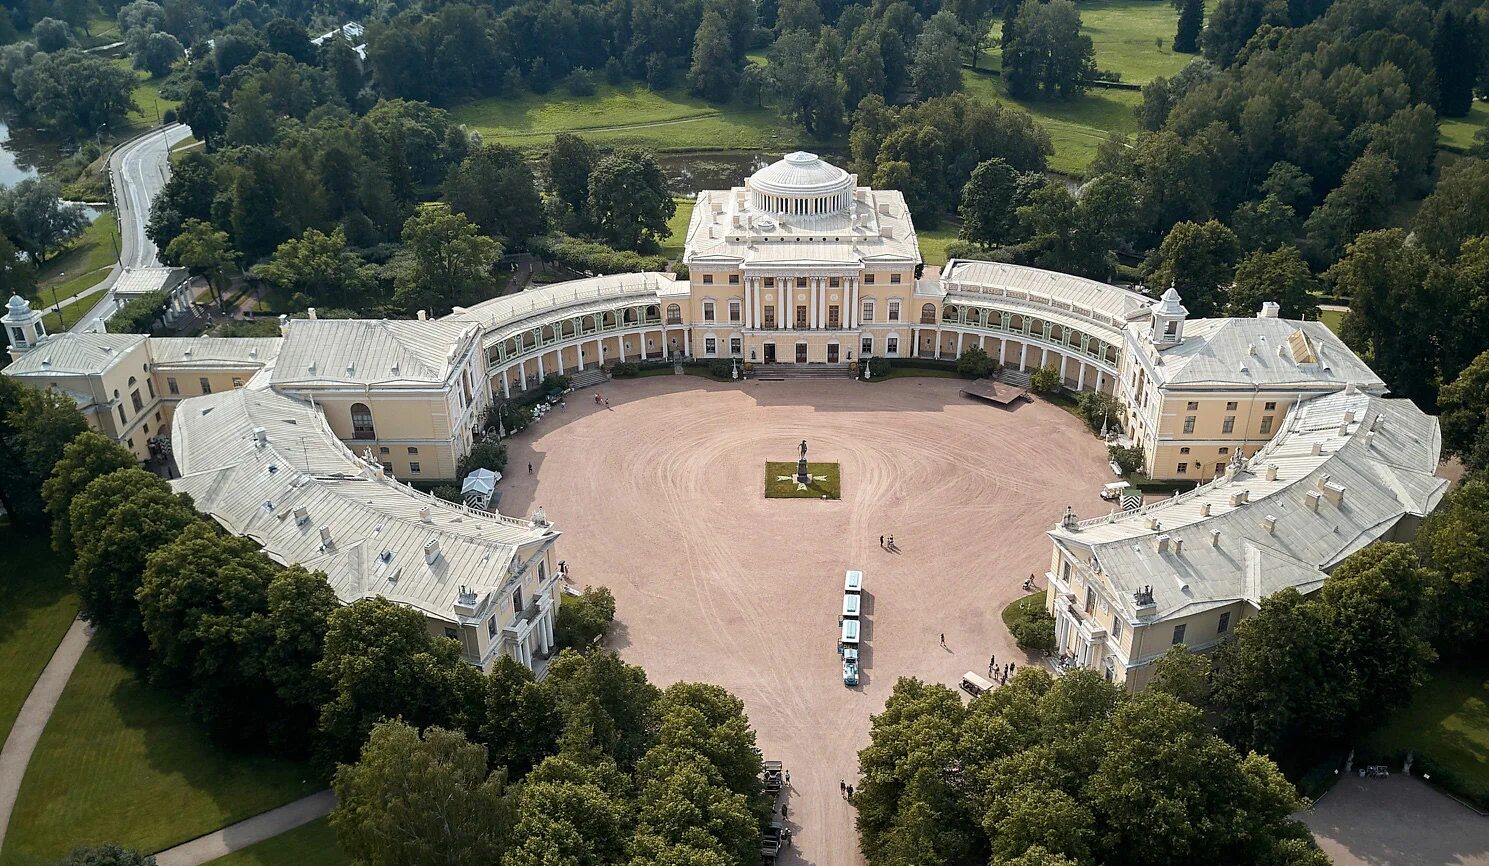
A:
[477,488]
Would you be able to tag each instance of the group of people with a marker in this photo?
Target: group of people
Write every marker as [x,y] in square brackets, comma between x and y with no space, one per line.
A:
[999,675]
[1029,583]
[887,542]
[846,790]
[601,400]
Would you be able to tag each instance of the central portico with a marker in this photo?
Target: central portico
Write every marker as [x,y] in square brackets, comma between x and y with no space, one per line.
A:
[799,265]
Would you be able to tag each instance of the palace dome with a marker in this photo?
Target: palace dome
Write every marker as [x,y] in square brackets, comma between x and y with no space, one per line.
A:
[801,184]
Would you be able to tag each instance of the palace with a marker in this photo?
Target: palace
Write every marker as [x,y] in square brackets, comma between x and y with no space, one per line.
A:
[298,441]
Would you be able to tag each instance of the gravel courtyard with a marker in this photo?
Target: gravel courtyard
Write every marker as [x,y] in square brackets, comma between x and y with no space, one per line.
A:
[661,499]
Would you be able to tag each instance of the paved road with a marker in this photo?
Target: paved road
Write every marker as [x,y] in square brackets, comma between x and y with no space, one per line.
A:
[237,836]
[33,717]
[1399,821]
[138,170]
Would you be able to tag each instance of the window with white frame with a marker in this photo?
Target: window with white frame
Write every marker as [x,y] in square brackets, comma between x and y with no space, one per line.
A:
[708,311]
[734,346]
[892,345]
[710,345]
[868,310]
[866,348]
[735,308]
[894,311]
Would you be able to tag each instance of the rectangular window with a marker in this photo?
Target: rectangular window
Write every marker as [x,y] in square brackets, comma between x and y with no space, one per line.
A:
[1224,625]
[801,315]
[868,279]
[1231,406]
[734,346]
[770,282]
[1229,424]
[1188,423]
[708,279]
[708,311]
[1183,468]
[735,309]
[388,468]
[412,450]
[414,467]
[384,450]
[150,386]
[894,279]
[451,633]
[866,348]
[1090,599]
[1192,406]
[1270,406]
[1266,424]
[170,385]
[134,400]
[770,316]
[1179,633]
[123,419]
[834,318]
[834,282]
[1116,629]
[206,385]
[801,282]
[237,382]
[517,600]
[894,311]
[1184,450]
[1223,450]
[491,627]
[892,346]
[710,346]
[734,279]
[868,311]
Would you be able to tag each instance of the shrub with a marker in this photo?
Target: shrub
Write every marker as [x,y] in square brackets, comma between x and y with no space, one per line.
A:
[449,493]
[581,82]
[1097,409]
[168,117]
[721,368]
[975,364]
[486,454]
[1129,460]
[1045,380]
[139,315]
[248,328]
[879,366]
[1030,624]
[591,257]
[581,620]
[555,383]
[625,370]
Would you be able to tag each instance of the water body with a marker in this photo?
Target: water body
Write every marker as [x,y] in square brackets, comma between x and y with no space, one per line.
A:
[24,153]
[688,173]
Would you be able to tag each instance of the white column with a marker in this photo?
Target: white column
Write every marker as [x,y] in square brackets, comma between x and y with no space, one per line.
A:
[1023,353]
[1044,358]
[600,350]
[560,354]
[938,342]
[620,342]
[960,335]
[1080,379]
[1002,351]
[1100,380]
[749,303]
[522,373]
[506,384]
[812,303]
[759,302]
[541,373]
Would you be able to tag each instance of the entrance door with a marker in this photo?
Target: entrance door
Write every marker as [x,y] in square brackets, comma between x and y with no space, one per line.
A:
[770,353]
[832,353]
[801,353]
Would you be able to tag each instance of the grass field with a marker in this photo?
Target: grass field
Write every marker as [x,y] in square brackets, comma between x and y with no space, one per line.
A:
[1130,37]
[1332,318]
[121,762]
[149,105]
[1447,726]
[933,241]
[628,114]
[677,228]
[314,844]
[1456,133]
[36,608]
[80,267]
[1076,127]
[830,488]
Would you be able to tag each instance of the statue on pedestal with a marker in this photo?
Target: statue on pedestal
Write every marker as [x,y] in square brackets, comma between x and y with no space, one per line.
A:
[801,465]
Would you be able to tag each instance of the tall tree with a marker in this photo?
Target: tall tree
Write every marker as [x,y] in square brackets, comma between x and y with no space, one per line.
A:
[445,260]
[35,427]
[1456,56]
[1280,276]
[34,215]
[935,66]
[1199,260]
[570,161]
[1463,409]
[88,456]
[204,251]
[1454,543]
[629,200]
[1048,56]
[320,268]
[988,203]
[495,189]
[1191,22]
[714,72]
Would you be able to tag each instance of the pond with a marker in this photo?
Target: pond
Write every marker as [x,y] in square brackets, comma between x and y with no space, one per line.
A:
[24,153]
[688,173]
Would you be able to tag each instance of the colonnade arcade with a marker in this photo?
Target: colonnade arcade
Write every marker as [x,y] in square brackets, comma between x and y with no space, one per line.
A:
[634,332]
[771,301]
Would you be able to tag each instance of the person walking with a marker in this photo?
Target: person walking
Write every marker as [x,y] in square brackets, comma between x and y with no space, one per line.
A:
[850,793]
[842,788]
[1010,668]
[990,664]
[943,638]
[891,542]
[529,468]
[881,541]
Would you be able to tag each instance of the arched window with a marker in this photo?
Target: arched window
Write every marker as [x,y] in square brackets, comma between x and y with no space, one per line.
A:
[928,314]
[674,314]
[948,313]
[362,422]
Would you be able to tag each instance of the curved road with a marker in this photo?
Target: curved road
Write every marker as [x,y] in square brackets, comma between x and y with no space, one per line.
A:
[138,170]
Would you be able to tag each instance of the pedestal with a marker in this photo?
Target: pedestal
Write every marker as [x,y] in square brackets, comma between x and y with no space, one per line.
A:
[801,472]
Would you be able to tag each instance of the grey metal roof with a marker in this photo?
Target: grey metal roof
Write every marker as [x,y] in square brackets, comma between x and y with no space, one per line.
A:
[339,352]
[726,231]
[378,527]
[1247,352]
[214,351]
[1105,303]
[511,313]
[70,354]
[1380,464]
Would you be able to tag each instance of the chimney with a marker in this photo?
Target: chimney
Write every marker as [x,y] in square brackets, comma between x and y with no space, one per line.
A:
[1204,510]
[302,516]
[1178,546]
[1317,450]
[1271,473]
[1334,493]
[1323,479]
[424,514]
[423,315]
[1214,538]
[1311,498]
[284,322]
[1344,428]
[310,311]
[326,541]
[1351,388]
[1238,498]
[1349,416]
[1269,523]
[261,436]
[431,551]
[1269,310]
[1369,438]
[1161,543]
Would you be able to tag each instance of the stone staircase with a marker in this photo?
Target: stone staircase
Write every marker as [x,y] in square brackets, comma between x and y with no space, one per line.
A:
[1013,377]
[587,378]
[801,371]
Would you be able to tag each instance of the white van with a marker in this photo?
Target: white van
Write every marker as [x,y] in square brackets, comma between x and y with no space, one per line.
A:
[852,602]
[848,638]
[853,582]
[974,684]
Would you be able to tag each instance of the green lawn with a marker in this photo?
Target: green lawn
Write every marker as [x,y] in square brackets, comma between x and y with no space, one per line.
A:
[121,762]
[677,229]
[1132,37]
[77,269]
[314,844]
[1456,133]
[628,114]
[1076,127]
[1447,726]
[831,488]
[933,241]
[1332,318]
[149,104]
[77,309]
[36,608]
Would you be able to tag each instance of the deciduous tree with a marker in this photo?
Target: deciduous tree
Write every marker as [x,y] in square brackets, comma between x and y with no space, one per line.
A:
[1198,259]
[494,189]
[88,456]
[629,200]
[1280,276]
[445,259]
